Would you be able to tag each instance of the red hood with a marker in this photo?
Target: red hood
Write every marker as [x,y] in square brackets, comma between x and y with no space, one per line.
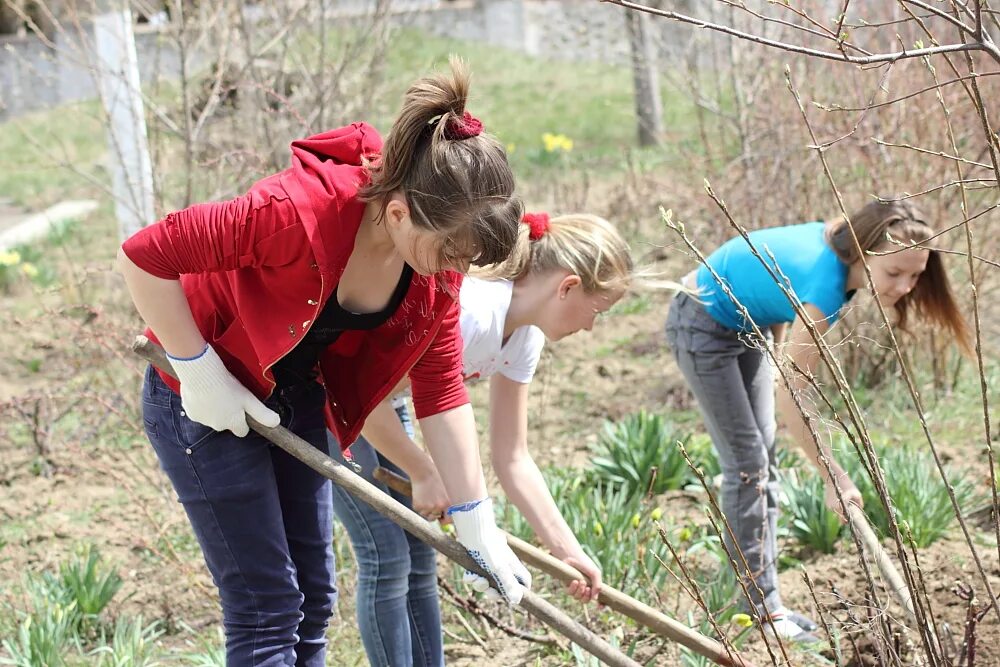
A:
[321,188]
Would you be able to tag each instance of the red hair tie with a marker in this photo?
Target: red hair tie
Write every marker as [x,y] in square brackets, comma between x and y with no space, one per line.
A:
[538,223]
[463,128]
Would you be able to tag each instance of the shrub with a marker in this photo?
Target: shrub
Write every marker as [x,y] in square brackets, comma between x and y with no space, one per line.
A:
[918,495]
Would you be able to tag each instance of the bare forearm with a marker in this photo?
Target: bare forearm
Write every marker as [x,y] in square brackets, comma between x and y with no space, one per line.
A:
[812,446]
[525,487]
[164,307]
[386,434]
[452,441]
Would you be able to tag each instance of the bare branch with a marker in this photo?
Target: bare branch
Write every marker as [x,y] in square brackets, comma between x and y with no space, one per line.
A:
[816,53]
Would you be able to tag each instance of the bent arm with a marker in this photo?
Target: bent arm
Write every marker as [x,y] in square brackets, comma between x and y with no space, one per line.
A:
[164,307]
[801,349]
[202,238]
[517,471]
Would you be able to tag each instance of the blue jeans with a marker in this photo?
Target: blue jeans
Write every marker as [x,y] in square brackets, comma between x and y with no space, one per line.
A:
[263,520]
[397,598]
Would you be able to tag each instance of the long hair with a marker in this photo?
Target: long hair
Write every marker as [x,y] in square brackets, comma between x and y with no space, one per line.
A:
[899,222]
[459,186]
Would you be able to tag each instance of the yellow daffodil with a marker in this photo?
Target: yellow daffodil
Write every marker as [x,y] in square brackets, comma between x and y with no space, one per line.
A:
[557,142]
[10,258]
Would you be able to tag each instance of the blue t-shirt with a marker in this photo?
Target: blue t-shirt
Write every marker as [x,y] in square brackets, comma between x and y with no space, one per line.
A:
[812,269]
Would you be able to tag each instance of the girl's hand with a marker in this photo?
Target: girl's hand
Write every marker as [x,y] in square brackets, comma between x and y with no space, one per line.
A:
[211,396]
[848,491]
[430,499]
[584,590]
[476,530]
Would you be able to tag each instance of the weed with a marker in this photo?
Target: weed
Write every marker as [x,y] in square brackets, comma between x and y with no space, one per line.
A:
[87,583]
[43,634]
[205,652]
[919,497]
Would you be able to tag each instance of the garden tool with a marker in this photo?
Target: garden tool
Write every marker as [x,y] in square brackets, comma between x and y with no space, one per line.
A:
[533,603]
[897,585]
[611,597]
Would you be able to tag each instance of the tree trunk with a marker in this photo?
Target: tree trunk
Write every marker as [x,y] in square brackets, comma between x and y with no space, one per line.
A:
[648,105]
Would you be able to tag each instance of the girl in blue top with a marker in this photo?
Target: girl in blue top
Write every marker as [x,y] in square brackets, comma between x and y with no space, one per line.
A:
[733,381]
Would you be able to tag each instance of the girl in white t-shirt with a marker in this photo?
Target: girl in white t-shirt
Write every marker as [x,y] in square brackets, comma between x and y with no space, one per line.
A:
[564,273]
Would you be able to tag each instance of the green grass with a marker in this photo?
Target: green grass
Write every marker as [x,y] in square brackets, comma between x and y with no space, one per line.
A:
[808,518]
[33,146]
[519,98]
[921,502]
[641,455]
[614,527]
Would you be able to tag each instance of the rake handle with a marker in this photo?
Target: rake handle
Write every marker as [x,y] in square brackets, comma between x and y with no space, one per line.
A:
[381,502]
[897,585]
[611,597]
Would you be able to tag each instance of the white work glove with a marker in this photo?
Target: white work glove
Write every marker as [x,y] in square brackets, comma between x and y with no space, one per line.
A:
[476,530]
[210,395]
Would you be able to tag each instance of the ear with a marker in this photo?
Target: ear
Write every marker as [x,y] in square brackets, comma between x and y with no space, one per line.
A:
[567,284]
[396,211]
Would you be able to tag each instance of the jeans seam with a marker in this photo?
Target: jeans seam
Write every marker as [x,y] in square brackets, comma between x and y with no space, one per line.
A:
[413,619]
[217,525]
[358,516]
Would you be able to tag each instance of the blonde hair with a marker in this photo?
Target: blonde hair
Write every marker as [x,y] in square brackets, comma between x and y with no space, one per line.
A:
[585,245]
[461,187]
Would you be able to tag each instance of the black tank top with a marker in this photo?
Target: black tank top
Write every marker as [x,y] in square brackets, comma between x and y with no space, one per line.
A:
[299,365]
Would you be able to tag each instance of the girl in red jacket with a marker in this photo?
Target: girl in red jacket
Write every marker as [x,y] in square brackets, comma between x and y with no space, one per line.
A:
[304,302]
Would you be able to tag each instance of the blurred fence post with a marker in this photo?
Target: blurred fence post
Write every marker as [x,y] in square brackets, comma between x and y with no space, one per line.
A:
[117,73]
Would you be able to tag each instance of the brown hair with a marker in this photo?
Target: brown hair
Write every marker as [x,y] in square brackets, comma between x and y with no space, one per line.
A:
[900,222]
[586,245]
[462,188]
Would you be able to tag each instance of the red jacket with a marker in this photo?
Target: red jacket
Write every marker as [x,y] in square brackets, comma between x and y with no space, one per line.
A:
[259,268]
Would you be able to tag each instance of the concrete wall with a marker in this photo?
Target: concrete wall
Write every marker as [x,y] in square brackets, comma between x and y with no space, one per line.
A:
[35,76]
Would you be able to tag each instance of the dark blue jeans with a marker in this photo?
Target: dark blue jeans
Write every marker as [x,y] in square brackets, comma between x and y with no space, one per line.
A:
[263,520]
[397,599]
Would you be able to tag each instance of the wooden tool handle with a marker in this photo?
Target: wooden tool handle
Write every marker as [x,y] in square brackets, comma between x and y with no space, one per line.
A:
[897,585]
[613,598]
[381,502]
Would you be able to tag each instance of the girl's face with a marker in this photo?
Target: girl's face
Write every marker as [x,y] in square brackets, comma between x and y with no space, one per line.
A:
[426,251]
[896,274]
[571,308]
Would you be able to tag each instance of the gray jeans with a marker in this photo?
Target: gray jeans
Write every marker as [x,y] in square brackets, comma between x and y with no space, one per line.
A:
[733,382]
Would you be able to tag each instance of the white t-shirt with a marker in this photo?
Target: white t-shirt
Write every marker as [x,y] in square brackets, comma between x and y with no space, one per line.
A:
[484,305]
